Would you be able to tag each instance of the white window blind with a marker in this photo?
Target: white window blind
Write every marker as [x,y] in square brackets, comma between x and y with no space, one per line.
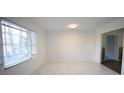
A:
[18,43]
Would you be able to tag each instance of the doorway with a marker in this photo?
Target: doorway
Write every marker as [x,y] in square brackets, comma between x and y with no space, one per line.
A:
[112,50]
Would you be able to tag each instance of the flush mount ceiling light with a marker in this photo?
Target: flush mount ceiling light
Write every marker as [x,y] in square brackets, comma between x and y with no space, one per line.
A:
[72,26]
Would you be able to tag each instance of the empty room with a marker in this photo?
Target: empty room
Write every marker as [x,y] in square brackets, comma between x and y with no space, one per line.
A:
[61,45]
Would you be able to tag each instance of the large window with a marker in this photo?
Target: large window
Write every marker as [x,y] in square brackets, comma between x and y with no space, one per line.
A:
[19,44]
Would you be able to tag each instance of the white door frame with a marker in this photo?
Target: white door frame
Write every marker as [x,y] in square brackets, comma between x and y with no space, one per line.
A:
[122,66]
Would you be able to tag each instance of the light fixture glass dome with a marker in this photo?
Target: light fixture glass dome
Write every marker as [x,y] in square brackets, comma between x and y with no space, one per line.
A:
[72,26]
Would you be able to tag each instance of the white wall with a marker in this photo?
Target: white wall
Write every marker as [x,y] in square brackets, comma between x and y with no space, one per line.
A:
[109,27]
[64,46]
[31,65]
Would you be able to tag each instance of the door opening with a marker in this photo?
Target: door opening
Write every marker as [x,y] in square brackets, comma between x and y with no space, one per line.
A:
[112,49]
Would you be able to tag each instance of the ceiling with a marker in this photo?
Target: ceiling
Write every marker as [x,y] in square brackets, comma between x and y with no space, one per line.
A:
[60,23]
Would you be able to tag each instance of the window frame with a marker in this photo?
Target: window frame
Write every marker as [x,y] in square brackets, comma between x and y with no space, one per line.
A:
[34,44]
[28,37]
[2,68]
